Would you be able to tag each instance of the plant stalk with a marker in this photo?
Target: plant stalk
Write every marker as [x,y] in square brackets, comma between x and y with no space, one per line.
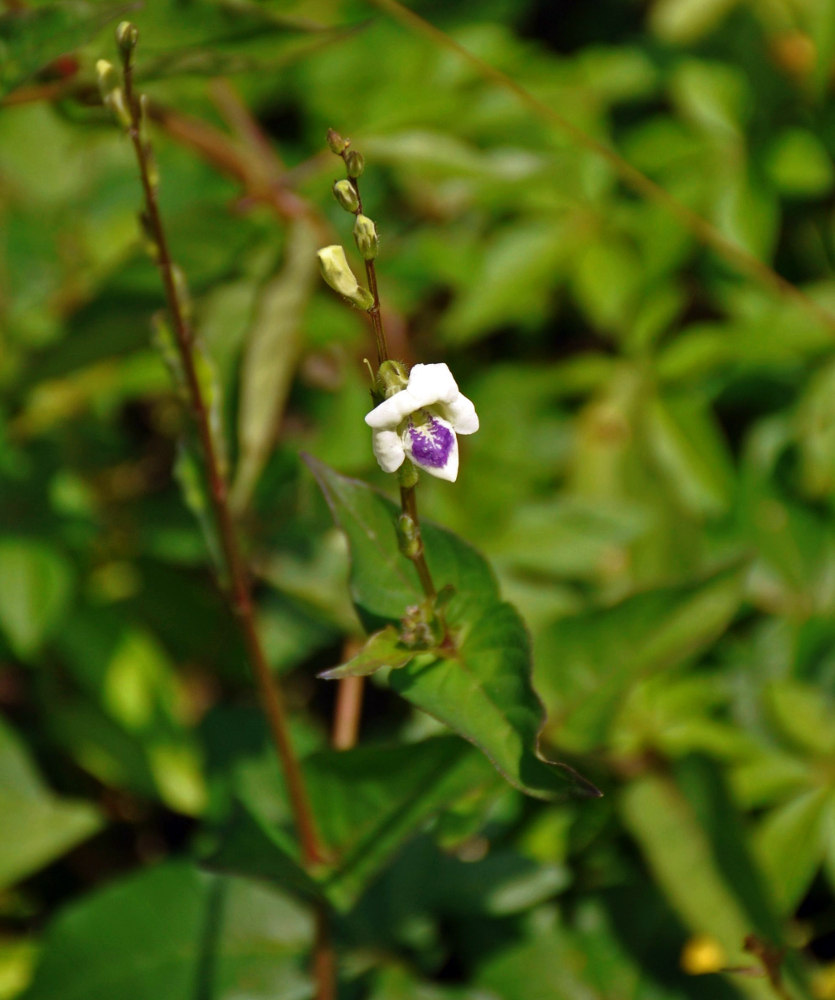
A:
[269,691]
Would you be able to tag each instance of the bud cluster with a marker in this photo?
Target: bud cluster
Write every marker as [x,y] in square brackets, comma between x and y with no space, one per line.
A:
[334,265]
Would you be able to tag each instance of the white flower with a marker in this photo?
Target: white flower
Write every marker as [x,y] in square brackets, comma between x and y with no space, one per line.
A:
[421,422]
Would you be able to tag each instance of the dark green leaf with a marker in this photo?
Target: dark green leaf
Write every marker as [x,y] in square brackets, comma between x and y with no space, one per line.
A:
[367,801]
[175,933]
[384,582]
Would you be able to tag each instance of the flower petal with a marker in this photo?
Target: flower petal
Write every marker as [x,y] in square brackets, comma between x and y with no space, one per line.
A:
[392,410]
[430,384]
[388,449]
[462,415]
[432,445]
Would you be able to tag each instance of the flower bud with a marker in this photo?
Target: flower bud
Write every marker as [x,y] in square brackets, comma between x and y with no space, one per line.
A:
[346,194]
[339,276]
[127,35]
[391,378]
[111,91]
[337,144]
[408,537]
[365,233]
[354,163]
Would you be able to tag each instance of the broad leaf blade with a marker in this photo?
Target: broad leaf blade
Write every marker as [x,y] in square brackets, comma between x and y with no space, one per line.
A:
[383,582]
[368,801]
[175,933]
[484,694]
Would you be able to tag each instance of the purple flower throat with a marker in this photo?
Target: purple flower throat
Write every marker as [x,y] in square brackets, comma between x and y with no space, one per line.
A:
[432,442]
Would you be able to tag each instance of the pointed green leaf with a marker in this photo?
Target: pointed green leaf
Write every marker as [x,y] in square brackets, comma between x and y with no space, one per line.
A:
[271,356]
[791,846]
[679,854]
[484,694]
[36,827]
[383,649]
[384,582]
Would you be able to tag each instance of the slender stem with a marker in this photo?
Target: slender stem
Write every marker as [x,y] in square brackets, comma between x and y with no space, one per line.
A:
[408,503]
[240,595]
[408,497]
[324,957]
[346,716]
[371,275]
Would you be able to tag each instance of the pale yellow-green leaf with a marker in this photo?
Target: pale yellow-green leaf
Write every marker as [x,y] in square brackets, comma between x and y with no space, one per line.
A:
[271,355]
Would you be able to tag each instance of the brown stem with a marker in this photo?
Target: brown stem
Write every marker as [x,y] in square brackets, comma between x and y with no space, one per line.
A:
[240,595]
[346,715]
[324,957]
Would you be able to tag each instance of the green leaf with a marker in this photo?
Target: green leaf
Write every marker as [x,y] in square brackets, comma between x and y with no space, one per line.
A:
[688,445]
[676,848]
[36,827]
[799,164]
[586,663]
[803,714]
[791,846]
[175,933]
[271,356]
[384,582]
[368,801]
[251,845]
[484,694]
[383,649]
[35,585]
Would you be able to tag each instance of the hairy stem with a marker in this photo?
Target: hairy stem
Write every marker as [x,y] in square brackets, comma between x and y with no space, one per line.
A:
[240,595]
[408,503]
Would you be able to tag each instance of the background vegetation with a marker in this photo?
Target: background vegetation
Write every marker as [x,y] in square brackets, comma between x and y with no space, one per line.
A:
[652,482]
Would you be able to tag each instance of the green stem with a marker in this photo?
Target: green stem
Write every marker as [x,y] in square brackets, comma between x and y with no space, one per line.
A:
[408,503]
[408,497]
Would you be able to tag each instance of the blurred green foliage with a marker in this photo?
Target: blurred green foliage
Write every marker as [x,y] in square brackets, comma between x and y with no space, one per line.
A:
[652,482]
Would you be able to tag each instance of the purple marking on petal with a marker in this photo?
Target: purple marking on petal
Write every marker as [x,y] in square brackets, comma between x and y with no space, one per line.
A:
[432,443]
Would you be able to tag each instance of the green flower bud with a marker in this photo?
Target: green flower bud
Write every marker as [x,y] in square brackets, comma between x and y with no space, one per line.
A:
[365,233]
[339,276]
[127,35]
[111,91]
[346,194]
[337,144]
[354,163]
[408,537]
[391,378]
